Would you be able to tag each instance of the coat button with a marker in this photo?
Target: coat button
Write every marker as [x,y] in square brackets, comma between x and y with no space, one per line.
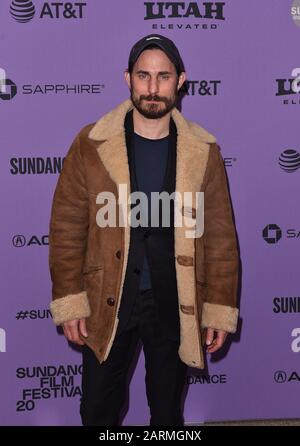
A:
[136,270]
[110,301]
[118,254]
[147,233]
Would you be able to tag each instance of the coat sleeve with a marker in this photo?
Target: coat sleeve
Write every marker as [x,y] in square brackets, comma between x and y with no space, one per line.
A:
[68,239]
[221,259]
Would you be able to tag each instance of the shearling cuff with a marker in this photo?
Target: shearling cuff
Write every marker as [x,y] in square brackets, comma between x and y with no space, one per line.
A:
[72,306]
[219,317]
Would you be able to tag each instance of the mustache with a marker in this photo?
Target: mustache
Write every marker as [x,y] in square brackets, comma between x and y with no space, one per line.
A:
[153,98]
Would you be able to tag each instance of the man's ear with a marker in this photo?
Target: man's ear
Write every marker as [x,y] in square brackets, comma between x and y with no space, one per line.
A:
[127,78]
[181,80]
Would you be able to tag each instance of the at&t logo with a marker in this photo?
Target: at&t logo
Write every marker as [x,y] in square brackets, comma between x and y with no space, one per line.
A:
[289,160]
[24,10]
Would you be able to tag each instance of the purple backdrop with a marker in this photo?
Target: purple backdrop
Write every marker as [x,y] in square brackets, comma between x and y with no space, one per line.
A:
[240,58]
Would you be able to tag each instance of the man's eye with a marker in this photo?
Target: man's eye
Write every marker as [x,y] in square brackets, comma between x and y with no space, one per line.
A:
[142,76]
[165,77]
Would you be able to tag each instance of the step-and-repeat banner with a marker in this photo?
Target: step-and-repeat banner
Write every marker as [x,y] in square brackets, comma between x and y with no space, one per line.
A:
[61,67]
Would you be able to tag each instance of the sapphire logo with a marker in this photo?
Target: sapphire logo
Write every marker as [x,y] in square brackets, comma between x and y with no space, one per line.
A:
[272,233]
[8,89]
[22,10]
[6,93]
[289,160]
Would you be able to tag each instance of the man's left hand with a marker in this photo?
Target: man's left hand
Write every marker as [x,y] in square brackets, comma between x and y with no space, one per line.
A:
[215,339]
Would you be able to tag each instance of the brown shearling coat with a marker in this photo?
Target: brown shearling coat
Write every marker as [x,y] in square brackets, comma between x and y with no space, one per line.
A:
[88,262]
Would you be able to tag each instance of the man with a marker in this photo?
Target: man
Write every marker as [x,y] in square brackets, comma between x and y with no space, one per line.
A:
[116,284]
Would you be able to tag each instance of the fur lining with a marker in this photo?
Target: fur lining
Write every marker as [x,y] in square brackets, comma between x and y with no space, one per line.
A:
[219,317]
[111,123]
[117,167]
[192,157]
[72,306]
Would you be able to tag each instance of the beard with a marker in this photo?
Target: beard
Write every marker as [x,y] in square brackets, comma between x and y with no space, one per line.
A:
[153,110]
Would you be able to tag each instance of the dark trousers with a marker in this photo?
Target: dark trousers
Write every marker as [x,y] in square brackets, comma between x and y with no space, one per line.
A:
[104,386]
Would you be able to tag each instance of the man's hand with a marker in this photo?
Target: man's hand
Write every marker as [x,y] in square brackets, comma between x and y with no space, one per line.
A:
[73,328]
[214,343]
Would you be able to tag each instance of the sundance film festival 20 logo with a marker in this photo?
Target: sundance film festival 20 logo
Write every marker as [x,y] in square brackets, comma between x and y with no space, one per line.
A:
[289,160]
[295,12]
[184,15]
[289,89]
[49,381]
[8,88]
[25,10]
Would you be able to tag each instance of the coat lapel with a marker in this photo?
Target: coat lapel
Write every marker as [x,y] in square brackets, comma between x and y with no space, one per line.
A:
[192,148]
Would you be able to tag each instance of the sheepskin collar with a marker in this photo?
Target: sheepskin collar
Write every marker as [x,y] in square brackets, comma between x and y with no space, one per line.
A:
[111,124]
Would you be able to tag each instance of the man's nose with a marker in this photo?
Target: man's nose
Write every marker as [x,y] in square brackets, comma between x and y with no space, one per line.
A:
[153,86]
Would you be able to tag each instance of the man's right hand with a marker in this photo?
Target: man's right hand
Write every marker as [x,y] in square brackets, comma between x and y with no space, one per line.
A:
[73,328]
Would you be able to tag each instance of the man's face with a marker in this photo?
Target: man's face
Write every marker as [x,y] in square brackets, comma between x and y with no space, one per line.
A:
[154,84]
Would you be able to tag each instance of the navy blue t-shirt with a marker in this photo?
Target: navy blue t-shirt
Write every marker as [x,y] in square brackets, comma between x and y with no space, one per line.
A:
[150,157]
